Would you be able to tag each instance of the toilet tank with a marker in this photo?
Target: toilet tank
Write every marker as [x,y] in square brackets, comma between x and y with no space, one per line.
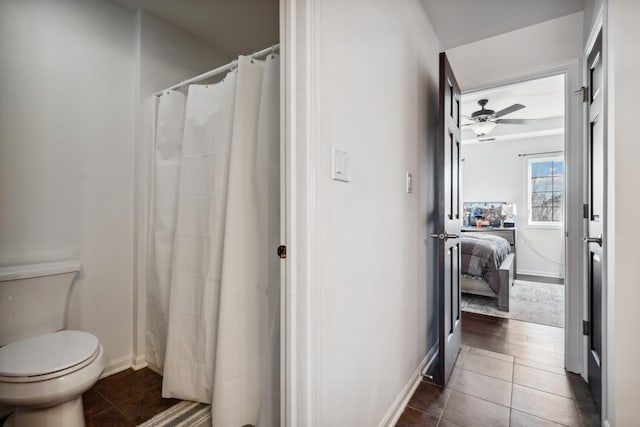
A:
[33,298]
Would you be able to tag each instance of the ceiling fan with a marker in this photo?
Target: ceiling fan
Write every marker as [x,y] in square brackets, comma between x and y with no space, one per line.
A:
[484,120]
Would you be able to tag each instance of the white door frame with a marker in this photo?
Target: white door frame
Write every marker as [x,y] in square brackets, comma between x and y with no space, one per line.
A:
[574,225]
[297,320]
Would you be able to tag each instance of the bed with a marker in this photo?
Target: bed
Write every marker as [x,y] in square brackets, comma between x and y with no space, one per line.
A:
[487,266]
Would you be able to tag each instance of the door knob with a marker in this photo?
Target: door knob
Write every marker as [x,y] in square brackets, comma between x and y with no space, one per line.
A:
[597,240]
[444,236]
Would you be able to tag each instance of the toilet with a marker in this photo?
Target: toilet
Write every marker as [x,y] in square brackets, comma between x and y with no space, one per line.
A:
[44,368]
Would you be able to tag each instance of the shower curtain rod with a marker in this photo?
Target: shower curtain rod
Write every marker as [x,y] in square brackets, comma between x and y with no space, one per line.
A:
[542,152]
[227,67]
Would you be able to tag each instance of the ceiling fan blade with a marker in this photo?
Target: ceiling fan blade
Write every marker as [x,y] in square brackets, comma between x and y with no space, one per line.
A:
[467,124]
[509,110]
[515,121]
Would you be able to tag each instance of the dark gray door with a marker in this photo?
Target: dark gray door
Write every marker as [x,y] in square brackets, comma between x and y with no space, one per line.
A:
[595,167]
[449,222]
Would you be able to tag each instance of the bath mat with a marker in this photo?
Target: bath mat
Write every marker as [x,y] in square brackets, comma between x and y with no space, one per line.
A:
[529,301]
[183,414]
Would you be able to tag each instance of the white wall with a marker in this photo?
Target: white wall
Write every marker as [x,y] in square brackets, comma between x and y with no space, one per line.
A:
[624,204]
[66,153]
[375,96]
[169,55]
[518,53]
[494,172]
[165,55]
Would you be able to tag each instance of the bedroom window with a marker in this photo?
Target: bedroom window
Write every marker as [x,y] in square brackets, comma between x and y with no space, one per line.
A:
[546,191]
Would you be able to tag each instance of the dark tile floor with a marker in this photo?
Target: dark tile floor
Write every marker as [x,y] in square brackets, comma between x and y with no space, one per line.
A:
[127,398]
[508,373]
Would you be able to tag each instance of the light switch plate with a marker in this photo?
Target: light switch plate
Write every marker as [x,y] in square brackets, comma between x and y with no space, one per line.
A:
[339,165]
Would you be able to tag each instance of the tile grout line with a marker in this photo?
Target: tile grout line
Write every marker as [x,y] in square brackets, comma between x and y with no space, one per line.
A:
[510,407]
[451,390]
[544,391]
[490,376]
[480,398]
[444,407]
[446,401]
[494,357]
[116,406]
[125,415]
[100,412]
[105,398]
[126,400]
[106,380]
[540,416]
[129,399]
[537,358]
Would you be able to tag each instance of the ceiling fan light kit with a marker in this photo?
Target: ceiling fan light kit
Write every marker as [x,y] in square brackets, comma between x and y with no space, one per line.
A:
[485,120]
[483,128]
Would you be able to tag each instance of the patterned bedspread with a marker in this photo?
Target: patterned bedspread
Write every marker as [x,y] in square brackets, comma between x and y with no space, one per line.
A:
[482,255]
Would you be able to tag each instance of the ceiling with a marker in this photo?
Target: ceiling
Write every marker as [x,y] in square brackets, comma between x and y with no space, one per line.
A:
[459,22]
[233,27]
[543,98]
[242,26]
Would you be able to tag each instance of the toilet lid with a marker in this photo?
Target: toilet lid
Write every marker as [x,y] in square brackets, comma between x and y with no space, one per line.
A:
[46,354]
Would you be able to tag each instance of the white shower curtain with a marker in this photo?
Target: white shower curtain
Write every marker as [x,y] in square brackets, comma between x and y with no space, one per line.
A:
[166,177]
[222,333]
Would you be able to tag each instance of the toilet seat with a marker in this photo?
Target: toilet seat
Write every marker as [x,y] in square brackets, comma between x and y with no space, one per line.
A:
[47,356]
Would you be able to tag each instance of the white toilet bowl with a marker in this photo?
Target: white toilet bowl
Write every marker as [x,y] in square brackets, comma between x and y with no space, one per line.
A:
[44,377]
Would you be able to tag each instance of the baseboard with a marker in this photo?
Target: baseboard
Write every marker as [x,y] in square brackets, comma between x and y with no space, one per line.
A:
[116,366]
[154,368]
[397,407]
[138,362]
[133,361]
[540,279]
[539,273]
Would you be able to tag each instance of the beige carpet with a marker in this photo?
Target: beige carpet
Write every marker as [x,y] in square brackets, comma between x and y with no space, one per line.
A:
[529,301]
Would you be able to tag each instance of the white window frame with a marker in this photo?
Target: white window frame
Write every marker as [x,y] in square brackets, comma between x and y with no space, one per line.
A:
[544,224]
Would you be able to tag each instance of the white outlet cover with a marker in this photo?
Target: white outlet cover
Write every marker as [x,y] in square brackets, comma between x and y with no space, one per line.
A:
[339,165]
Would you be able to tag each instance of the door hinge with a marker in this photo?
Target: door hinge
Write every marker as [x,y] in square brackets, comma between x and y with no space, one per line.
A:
[583,92]
[586,327]
[282,251]
[585,211]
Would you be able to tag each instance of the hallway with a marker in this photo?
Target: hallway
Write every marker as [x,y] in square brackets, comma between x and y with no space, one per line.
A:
[508,373]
